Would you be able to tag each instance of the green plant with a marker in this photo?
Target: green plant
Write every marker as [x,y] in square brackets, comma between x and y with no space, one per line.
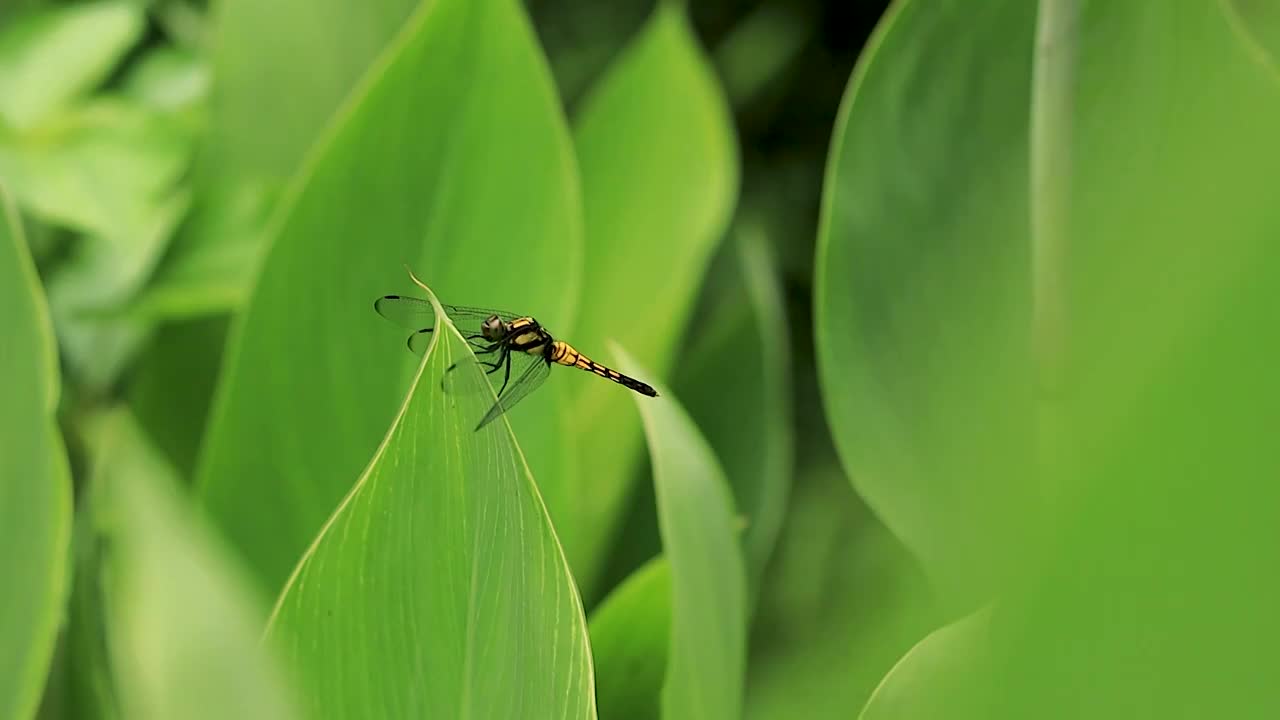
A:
[997,446]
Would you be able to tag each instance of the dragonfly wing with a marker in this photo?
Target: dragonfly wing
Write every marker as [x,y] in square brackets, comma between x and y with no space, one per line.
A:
[464,314]
[518,388]
[407,312]
[418,315]
[415,313]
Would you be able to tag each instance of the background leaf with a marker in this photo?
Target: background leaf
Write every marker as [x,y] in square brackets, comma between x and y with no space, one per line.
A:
[1162,498]
[173,384]
[107,168]
[169,78]
[55,54]
[438,586]
[736,381]
[708,576]
[922,290]
[1258,24]
[630,633]
[259,136]
[840,603]
[410,175]
[184,622]
[660,175]
[937,677]
[1145,596]
[35,482]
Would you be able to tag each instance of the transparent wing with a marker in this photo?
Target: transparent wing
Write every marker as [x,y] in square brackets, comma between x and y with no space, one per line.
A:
[418,315]
[462,313]
[407,312]
[518,388]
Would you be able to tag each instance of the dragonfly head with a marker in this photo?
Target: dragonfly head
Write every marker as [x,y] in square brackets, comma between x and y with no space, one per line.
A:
[493,328]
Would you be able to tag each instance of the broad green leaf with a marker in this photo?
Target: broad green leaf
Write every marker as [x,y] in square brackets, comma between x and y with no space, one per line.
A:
[438,587]
[656,147]
[214,279]
[1141,594]
[173,383]
[35,482]
[736,383]
[184,623]
[922,295]
[630,632]
[697,521]
[260,132]
[936,678]
[263,122]
[1258,24]
[841,601]
[581,39]
[453,158]
[1150,598]
[54,55]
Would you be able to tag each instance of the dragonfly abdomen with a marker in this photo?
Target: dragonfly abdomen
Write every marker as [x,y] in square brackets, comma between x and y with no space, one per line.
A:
[565,354]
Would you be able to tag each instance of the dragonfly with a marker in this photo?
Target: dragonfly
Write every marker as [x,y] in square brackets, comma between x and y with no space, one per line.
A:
[516,347]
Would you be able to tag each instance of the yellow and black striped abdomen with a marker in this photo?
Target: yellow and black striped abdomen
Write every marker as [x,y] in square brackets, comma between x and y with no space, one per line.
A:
[564,354]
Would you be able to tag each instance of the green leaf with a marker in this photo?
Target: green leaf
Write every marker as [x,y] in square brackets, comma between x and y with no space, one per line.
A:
[108,168]
[922,291]
[184,624]
[258,132]
[54,55]
[630,632]
[111,168]
[1140,592]
[841,601]
[215,278]
[455,159]
[760,48]
[936,678]
[741,341]
[173,384]
[708,576]
[438,586]
[169,78]
[656,146]
[264,122]
[1149,596]
[35,482]
[1258,25]
[90,689]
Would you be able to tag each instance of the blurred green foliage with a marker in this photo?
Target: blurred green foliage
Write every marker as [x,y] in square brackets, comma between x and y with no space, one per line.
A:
[993,439]
[35,488]
[706,655]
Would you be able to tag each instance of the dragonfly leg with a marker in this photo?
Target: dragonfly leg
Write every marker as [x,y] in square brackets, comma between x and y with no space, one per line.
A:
[483,351]
[493,366]
[506,377]
[504,357]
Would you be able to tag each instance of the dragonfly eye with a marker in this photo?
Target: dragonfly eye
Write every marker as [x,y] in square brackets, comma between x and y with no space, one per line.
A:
[492,328]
